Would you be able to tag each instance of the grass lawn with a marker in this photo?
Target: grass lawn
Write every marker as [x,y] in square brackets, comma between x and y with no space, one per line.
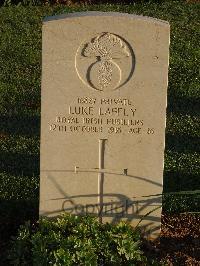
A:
[20,76]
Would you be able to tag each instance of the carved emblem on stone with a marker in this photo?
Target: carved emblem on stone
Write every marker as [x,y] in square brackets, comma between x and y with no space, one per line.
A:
[105,62]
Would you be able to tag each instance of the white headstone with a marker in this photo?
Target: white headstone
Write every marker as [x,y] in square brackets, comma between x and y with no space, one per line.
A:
[104,91]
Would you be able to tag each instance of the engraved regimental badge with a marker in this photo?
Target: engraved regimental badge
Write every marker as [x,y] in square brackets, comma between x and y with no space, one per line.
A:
[105,62]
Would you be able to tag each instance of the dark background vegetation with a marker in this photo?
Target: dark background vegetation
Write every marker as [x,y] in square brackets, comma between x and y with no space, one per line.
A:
[20,76]
[88,2]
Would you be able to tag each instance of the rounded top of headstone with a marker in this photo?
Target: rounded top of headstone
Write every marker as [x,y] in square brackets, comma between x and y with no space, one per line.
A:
[104,14]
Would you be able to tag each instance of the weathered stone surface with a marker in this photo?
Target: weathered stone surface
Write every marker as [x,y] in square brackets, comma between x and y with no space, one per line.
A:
[104,88]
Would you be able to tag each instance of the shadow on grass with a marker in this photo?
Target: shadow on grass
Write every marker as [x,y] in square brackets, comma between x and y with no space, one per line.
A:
[183,202]
[181,143]
[17,164]
[183,105]
[23,125]
[180,181]
[13,214]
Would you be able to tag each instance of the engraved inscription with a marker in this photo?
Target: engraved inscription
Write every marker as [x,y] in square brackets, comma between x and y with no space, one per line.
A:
[104,62]
[101,115]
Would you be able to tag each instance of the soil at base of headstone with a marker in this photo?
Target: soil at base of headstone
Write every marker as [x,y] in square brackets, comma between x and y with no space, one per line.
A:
[179,243]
